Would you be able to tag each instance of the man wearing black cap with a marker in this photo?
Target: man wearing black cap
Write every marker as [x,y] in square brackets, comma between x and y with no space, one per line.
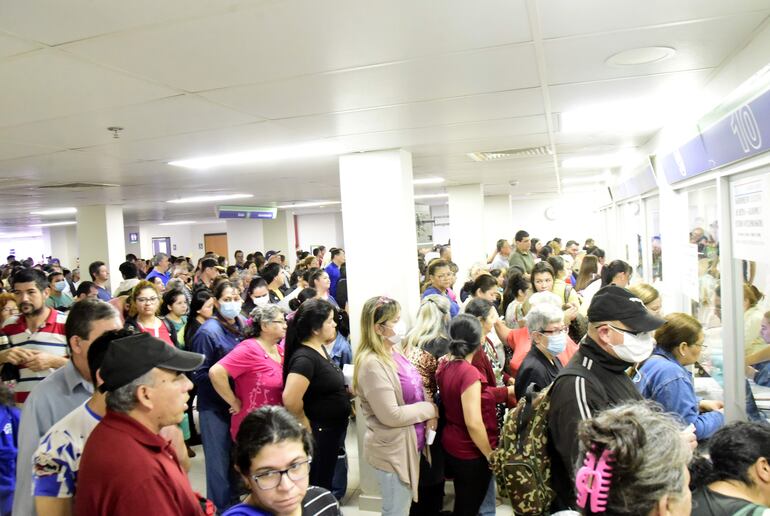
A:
[619,336]
[208,272]
[127,468]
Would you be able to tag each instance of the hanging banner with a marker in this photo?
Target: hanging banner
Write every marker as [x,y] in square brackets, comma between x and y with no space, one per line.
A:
[750,216]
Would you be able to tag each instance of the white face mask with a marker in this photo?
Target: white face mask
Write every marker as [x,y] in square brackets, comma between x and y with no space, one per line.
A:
[261,300]
[635,348]
[399,330]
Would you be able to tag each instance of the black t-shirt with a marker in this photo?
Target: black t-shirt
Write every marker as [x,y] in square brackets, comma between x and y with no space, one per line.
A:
[706,502]
[326,399]
[537,369]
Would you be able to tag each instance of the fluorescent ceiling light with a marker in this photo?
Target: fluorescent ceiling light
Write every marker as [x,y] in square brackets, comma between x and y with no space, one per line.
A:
[601,161]
[307,204]
[428,181]
[177,223]
[431,196]
[49,224]
[55,211]
[303,150]
[209,198]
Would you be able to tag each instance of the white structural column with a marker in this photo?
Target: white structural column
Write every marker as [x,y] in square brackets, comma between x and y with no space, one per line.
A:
[377,215]
[101,238]
[279,236]
[61,242]
[466,228]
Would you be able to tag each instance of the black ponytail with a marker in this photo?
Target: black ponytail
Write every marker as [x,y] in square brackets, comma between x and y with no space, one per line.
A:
[465,332]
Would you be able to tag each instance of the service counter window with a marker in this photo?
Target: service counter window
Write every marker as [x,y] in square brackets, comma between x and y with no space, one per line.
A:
[632,231]
[652,212]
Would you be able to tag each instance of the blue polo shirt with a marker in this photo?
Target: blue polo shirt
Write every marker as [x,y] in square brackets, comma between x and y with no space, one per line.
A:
[334,276]
[155,274]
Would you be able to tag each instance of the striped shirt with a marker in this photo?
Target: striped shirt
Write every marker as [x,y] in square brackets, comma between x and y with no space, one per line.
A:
[48,338]
[317,502]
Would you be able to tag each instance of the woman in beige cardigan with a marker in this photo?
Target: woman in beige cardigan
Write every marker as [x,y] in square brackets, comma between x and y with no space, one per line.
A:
[393,403]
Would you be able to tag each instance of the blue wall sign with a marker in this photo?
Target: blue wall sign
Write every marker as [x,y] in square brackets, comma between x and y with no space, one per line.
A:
[641,182]
[133,238]
[247,212]
[743,133]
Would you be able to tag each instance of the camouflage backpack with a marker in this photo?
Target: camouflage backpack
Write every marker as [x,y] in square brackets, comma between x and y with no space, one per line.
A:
[521,463]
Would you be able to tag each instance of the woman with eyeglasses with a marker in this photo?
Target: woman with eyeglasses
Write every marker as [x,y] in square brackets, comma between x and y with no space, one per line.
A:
[393,404]
[439,281]
[143,309]
[214,340]
[8,307]
[540,367]
[665,379]
[273,453]
[255,366]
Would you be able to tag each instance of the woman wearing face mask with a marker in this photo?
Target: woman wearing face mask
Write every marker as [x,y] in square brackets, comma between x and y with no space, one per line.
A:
[257,294]
[549,338]
[255,366]
[393,404]
[215,339]
[665,379]
[314,386]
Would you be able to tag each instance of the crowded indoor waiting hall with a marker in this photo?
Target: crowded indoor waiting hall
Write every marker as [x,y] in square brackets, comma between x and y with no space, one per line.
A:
[311,258]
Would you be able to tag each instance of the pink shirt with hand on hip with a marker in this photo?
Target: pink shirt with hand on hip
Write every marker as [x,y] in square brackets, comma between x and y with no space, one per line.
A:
[258,378]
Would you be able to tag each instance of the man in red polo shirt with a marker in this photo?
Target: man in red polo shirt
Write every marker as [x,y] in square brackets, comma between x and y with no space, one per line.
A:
[126,467]
[37,337]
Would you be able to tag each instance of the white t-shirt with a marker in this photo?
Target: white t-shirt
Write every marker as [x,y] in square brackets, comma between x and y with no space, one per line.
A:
[57,460]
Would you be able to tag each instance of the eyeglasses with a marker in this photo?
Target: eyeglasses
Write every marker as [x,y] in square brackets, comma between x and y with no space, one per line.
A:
[280,321]
[146,299]
[630,332]
[701,345]
[554,332]
[272,479]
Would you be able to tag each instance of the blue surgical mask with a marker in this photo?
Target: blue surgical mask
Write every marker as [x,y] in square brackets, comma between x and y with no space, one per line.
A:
[556,343]
[230,309]
[60,285]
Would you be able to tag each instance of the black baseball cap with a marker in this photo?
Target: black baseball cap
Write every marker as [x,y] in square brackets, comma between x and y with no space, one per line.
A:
[613,303]
[271,253]
[130,357]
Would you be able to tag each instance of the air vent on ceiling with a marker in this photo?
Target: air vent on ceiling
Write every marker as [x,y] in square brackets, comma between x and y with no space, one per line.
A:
[77,186]
[530,152]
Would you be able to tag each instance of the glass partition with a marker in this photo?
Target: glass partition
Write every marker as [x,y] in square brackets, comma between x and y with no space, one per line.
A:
[652,210]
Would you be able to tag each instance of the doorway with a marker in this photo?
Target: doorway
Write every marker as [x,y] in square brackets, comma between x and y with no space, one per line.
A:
[215,243]
[161,245]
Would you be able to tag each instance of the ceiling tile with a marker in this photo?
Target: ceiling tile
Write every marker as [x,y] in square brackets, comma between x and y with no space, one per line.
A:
[699,45]
[54,22]
[171,115]
[561,18]
[11,46]
[12,150]
[302,37]
[48,83]
[421,114]
[445,76]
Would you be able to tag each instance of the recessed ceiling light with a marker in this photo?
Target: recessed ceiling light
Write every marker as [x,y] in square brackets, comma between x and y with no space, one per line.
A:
[431,196]
[48,224]
[209,198]
[55,211]
[304,150]
[428,181]
[177,223]
[307,204]
[641,56]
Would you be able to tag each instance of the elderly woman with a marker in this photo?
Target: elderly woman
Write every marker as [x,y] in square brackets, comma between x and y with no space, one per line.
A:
[549,338]
[393,404]
[439,282]
[255,365]
[666,380]
[634,462]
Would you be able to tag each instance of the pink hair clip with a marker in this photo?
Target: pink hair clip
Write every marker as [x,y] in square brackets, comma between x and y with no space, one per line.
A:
[593,479]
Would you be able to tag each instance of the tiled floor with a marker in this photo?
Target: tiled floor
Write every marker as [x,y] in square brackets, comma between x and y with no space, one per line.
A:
[350,502]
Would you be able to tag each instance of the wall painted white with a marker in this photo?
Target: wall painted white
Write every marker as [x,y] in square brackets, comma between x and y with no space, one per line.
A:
[320,229]
[497,221]
[23,246]
[575,219]
[246,235]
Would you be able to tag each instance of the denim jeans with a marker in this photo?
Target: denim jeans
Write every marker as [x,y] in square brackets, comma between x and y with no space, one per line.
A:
[396,496]
[488,506]
[215,433]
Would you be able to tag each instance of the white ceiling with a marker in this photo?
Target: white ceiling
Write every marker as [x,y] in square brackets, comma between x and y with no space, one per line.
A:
[440,78]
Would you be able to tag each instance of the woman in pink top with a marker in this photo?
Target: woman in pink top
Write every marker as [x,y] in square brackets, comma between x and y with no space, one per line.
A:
[255,365]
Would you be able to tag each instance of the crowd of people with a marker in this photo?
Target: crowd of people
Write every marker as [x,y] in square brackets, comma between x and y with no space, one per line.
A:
[105,392]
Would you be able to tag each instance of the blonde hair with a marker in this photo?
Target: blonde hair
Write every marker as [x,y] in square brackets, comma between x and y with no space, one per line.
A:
[646,292]
[377,310]
[431,324]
